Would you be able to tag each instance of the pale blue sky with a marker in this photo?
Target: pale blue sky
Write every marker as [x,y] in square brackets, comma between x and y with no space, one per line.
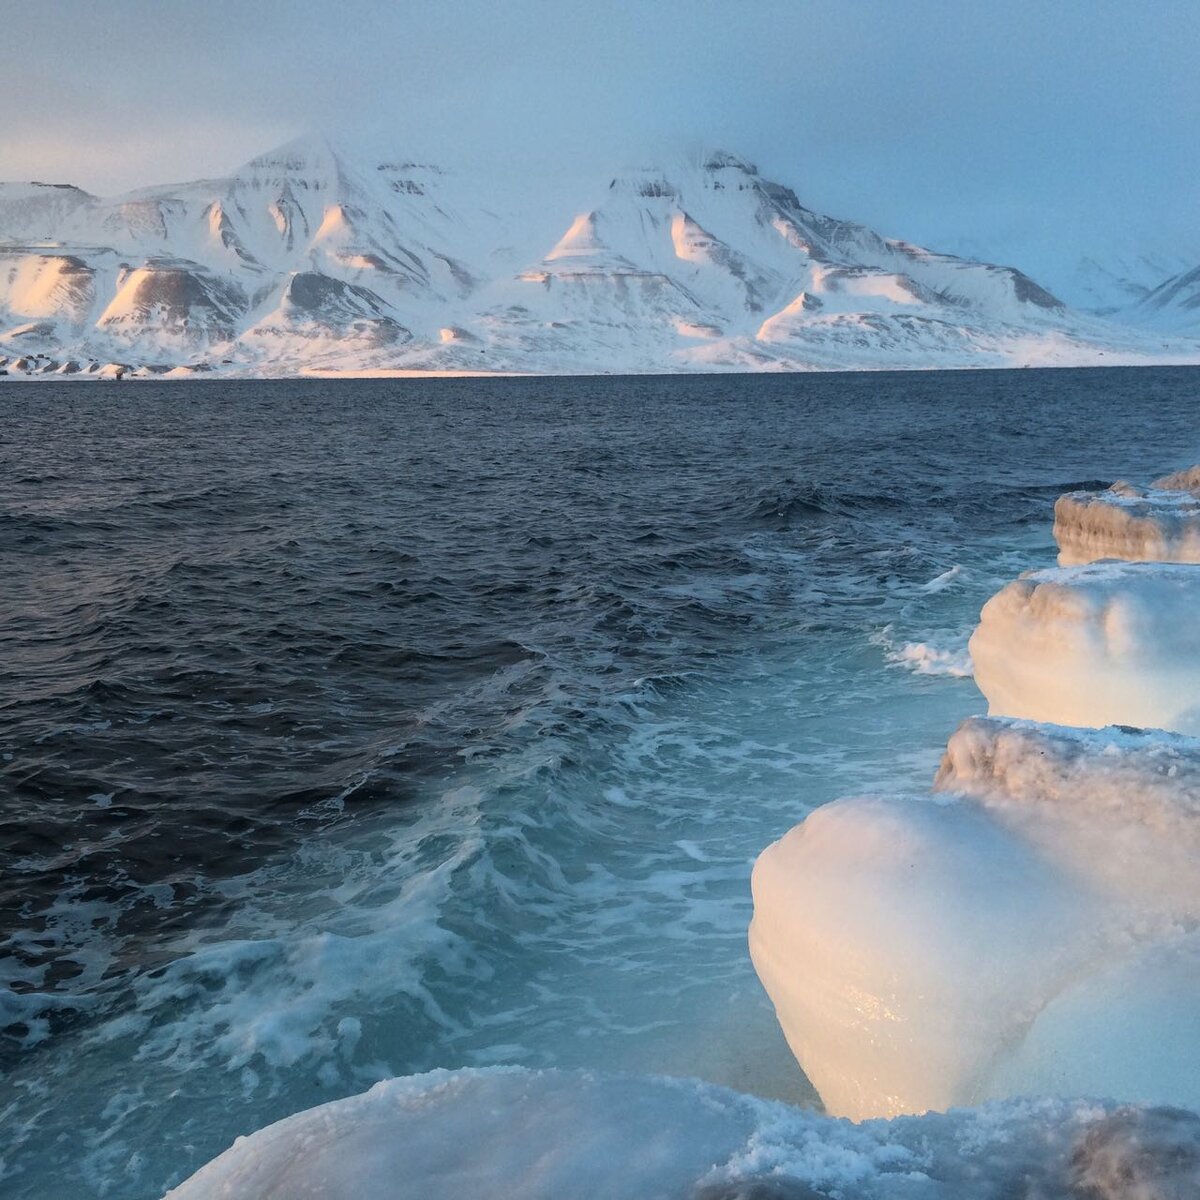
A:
[923,117]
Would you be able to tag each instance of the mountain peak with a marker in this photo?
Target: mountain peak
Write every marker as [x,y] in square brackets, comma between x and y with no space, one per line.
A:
[308,152]
[722,160]
[646,182]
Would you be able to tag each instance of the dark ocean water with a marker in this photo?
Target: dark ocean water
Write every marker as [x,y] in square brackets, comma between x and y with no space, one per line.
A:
[351,729]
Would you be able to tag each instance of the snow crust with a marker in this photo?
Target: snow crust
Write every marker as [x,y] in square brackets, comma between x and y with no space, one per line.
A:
[1027,928]
[511,1134]
[1107,643]
[1160,523]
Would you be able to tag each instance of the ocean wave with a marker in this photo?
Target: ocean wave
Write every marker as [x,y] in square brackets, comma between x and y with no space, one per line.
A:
[426,748]
[946,657]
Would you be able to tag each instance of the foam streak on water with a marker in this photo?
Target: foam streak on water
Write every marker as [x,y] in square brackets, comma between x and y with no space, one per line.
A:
[356,729]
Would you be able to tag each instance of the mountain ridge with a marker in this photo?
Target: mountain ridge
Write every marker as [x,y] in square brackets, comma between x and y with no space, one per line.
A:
[304,259]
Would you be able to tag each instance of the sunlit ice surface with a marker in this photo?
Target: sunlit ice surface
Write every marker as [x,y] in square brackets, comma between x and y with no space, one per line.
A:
[360,729]
[1024,930]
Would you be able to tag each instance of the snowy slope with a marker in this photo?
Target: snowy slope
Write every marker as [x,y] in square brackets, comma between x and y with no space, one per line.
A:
[305,259]
[1115,281]
[1174,305]
[1104,274]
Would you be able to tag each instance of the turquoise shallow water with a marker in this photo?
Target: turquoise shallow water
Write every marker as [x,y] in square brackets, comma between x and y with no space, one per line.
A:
[356,729]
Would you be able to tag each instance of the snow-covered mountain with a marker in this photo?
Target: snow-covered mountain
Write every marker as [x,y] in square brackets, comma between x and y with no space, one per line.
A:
[306,260]
[1100,274]
[1174,305]
[1115,282]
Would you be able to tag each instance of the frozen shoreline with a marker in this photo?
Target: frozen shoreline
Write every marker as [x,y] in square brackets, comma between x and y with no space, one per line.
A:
[997,937]
[1023,930]
[133,373]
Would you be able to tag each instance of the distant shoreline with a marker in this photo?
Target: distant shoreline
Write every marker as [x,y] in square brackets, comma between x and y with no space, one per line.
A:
[314,374]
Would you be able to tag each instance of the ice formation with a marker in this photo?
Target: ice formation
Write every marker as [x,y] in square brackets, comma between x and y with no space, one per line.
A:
[1118,806]
[1160,523]
[541,1135]
[1025,929]
[1107,643]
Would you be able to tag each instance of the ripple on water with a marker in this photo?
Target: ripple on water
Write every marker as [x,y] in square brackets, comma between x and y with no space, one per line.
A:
[358,729]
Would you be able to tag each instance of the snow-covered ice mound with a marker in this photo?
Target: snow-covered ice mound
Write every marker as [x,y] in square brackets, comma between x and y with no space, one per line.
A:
[1025,929]
[1187,480]
[1160,523]
[1118,805]
[892,935]
[512,1134]
[1105,644]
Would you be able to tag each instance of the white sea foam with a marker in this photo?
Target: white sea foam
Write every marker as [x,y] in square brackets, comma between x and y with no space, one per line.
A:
[946,579]
[939,652]
[924,658]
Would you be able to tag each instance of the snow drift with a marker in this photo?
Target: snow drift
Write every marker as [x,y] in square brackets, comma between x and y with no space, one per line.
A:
[1024,929]
[542,1135]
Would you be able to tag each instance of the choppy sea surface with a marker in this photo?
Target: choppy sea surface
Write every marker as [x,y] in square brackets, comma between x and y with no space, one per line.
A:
[353,729]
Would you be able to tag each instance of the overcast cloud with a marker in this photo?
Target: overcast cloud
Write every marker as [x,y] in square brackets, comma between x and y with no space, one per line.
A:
[927,119]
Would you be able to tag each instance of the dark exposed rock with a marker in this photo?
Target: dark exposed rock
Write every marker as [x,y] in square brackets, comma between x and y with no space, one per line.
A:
[1139,1154]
